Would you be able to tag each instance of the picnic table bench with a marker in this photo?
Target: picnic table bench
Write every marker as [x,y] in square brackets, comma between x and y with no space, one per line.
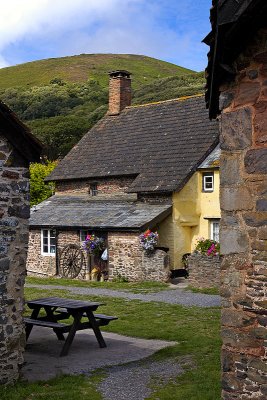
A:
[57,309]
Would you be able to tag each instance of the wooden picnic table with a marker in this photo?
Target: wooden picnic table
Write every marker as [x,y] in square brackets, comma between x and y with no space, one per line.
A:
[57,309]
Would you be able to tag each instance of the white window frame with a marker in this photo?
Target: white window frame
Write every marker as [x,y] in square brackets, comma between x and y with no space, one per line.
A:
[213,234]
[49,237]
[204,181]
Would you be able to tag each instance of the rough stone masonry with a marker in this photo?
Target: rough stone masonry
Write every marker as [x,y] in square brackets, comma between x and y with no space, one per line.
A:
[17,148]
[14,212]
[244,226]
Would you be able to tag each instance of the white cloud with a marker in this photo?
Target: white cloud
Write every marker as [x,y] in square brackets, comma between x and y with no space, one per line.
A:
[66,27]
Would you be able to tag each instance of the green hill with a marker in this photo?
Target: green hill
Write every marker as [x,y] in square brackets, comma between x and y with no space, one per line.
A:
[77,69]
[62,98]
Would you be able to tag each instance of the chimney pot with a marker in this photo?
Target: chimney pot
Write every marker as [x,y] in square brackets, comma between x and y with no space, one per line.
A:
[120,95]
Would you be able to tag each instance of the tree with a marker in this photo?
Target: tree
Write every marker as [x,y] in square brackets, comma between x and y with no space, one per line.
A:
[39,190]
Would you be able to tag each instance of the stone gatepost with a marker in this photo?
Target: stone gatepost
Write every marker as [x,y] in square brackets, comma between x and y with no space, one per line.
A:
[244,226]
[17,148]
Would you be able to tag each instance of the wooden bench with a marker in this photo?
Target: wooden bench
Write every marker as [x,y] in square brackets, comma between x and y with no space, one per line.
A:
[46,324]
[101,319]
[57,327]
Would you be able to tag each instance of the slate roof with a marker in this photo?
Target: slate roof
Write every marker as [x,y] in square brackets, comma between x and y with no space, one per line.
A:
[233,24]
[213,159]
[19,135]
[162,144]
[81,212]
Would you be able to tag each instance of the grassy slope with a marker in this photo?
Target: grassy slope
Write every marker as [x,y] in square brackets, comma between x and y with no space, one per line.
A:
[93,66]
[27,90]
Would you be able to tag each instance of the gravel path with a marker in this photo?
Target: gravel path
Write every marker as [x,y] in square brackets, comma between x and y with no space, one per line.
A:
[171,296]
[134,381]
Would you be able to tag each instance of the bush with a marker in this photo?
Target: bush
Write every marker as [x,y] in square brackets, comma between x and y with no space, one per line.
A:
[208,247]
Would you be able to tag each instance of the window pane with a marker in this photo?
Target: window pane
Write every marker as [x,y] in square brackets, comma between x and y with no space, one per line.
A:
[45,233]
[208,182]
[216,231]
[45,240]
[52,241]
[83,235]
[45,249]
[52,249]
[52,234]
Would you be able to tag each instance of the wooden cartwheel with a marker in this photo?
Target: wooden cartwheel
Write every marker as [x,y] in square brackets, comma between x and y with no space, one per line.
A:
[71,260]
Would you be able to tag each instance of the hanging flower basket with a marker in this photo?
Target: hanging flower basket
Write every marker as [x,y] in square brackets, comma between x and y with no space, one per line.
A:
[94,244]
[148,241]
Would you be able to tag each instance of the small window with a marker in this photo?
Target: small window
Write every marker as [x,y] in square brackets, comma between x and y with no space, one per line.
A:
[208,182]
[215,230]
[48,238]
[83,234]
[93,189]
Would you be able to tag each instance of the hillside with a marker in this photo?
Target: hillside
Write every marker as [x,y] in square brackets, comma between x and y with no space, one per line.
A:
[77,69]
[61,99]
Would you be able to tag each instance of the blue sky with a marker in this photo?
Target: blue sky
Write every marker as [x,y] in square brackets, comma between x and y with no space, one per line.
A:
[170,30]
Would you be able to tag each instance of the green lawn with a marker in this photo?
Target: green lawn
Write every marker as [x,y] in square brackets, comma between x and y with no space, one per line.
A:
[139,287]
[211,290]
[196,331]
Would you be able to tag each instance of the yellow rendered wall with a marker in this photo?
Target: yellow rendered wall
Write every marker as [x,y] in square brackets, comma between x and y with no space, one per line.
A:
[190,207]
[166,235]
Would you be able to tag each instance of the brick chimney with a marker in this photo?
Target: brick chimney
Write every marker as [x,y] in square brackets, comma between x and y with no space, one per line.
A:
[120,94]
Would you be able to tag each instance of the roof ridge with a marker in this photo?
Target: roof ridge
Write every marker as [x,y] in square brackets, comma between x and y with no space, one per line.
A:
[183,98]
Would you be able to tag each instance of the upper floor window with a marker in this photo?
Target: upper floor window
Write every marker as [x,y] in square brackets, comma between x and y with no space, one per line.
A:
[48,242]
[215,230]
[93,189]
[208,182]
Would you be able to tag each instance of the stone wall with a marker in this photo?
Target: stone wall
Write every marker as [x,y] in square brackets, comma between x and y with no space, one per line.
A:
[105,187]
[45,265]
[204,271]
[37,264]
[14,213]
[127,259]
[244,226]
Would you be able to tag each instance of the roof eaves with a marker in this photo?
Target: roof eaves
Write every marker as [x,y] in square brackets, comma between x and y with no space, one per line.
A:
[25,143]
[233,24]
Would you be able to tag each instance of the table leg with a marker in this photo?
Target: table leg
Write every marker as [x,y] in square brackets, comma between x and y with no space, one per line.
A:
[72,332]
[96,329]
[34,315]
[51,317]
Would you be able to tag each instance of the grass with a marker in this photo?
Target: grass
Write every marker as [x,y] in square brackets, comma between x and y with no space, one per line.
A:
[211,290]
[140,287]
[196,331]
[61,388]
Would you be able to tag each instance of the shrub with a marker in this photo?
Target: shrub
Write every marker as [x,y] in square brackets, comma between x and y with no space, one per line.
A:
[208,247]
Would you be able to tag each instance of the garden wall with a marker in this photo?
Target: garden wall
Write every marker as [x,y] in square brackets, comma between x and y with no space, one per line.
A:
[128,260]
[204,271]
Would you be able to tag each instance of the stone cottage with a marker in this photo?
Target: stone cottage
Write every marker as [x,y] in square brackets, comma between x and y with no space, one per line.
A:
[17,148]
[237,88]
[149,166]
